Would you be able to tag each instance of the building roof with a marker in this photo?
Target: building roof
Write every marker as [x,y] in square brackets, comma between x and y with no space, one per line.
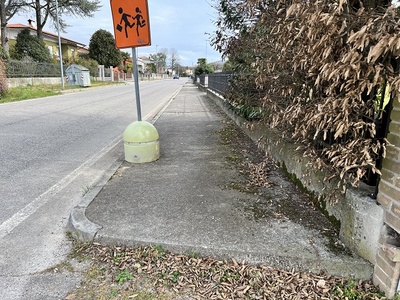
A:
[144,59]
[63,39]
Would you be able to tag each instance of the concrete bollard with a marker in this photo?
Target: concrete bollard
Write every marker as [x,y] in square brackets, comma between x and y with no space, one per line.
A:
[141,143]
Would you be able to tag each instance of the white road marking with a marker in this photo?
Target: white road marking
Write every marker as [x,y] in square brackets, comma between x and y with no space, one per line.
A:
[7,226]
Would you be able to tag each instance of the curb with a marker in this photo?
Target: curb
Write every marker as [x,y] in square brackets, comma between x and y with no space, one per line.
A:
[79,225]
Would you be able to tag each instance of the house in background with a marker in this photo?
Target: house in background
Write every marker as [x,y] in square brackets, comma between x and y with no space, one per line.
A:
[218,66]
[69,48]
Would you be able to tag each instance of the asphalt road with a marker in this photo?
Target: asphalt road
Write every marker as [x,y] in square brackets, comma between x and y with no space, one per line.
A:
[52,151]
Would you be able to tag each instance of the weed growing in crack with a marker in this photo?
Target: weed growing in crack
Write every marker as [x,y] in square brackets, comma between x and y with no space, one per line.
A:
[123,276]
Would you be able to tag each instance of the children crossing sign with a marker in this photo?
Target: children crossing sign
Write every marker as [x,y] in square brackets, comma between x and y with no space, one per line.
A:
[131,23]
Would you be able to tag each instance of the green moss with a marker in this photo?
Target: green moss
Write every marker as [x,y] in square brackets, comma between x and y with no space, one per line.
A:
[259,211]
[333,242]
[319,203]
[233,158]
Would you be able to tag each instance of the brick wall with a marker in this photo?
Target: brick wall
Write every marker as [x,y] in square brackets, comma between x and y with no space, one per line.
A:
[387,267]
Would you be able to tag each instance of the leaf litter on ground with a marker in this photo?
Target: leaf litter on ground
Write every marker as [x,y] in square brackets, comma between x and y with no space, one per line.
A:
[151,272]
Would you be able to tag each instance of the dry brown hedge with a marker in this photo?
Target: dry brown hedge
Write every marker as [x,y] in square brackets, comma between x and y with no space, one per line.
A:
[320,66]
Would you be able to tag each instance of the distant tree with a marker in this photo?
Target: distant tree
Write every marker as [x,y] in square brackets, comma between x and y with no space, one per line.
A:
[89,63]
[174,58]
[203,67]
[151,68]
[28,45]
[178,69]
[46,10]
[228,66]
[102,49]
[126,62]
[160,60]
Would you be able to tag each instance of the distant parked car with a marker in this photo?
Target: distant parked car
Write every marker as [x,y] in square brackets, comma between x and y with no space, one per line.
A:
[176,76]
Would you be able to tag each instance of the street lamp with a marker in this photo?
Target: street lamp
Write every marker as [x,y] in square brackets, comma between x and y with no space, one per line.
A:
[59,48]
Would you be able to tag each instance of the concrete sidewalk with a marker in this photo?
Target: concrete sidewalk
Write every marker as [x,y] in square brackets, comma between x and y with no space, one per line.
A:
[195,199]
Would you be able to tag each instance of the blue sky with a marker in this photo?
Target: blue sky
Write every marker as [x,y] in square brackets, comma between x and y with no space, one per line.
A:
[178,24]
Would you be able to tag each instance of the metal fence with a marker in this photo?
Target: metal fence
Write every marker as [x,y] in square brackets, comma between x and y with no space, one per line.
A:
[202,79]
[16,68]
[218,82]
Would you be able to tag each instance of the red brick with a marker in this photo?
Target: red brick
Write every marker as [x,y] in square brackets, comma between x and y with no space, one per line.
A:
[396,210]
[383,277]
[385,282]
[392,221]
[396,105]
[395,113]
[385,264]
[391,164]
[388,176]
[379,283]
[394,127]
[394,139]
[393,153]
[397,181]
[383,200]
[389,190]
[392,253]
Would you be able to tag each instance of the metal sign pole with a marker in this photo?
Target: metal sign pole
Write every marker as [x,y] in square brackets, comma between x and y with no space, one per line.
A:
[141,143]
[136,77]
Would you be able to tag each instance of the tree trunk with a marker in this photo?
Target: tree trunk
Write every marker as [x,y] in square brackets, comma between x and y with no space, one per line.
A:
[4,39]
[39,25]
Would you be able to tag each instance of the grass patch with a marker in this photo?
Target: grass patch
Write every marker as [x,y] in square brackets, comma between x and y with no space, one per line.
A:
[30,92]
[44,90]
[123,276]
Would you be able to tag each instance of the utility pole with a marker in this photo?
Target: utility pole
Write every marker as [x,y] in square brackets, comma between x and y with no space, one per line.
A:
[59,47]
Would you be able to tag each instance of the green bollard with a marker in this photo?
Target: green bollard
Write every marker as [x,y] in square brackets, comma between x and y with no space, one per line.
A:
[141,143]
